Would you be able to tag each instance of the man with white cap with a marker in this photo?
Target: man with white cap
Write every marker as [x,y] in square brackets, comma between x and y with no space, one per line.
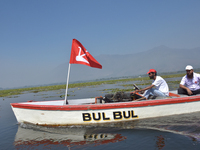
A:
[189,84]
[161,88]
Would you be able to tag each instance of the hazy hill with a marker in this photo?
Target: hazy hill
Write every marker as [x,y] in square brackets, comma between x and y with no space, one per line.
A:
[162,58]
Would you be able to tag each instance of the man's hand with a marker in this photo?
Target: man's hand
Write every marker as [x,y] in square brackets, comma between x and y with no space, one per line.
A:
[189,91]
[138,91]
[141,92]
[186,88]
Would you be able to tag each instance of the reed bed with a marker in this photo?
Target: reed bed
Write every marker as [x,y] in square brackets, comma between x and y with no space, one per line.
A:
[10,92]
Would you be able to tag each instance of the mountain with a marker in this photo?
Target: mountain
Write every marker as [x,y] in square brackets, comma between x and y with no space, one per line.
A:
[162,58]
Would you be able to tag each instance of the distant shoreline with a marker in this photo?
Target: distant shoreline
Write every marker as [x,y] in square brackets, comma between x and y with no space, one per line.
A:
[11,92]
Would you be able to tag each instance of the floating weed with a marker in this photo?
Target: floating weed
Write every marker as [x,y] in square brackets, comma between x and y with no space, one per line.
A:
[174,82]
[126,85]
[142,81]
[106,89]
[39,94]
[173,75]
[117,90]
[14,96]
[145,83]
[63,96]
[48,96]
[59,92]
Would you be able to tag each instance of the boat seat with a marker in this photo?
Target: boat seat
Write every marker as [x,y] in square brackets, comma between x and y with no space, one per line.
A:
[175,94]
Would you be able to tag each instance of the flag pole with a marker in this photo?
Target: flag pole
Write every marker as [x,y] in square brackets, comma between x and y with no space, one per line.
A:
[65,102]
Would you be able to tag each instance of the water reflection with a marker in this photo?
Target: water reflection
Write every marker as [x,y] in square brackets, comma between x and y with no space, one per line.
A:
[154,133]
[160,132]
[29,136]
[160,142]
[184,124]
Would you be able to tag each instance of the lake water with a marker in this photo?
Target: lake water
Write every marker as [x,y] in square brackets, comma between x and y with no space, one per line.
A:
[172,132]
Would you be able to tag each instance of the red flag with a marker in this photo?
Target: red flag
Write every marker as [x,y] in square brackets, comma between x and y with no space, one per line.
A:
[79,55]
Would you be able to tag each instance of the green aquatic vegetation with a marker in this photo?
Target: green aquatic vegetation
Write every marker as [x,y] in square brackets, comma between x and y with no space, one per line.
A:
[127,85]
[173,85]
[142,80]
[174,82]
[144,83]
[63,96]
[117,90]
[173,75]
[48,96]
[9,92]
[13,96]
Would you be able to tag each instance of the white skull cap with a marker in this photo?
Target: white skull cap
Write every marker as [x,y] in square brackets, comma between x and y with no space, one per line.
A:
[188,67]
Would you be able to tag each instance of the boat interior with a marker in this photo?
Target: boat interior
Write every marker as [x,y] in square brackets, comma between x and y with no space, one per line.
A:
[108,98]
[125,97]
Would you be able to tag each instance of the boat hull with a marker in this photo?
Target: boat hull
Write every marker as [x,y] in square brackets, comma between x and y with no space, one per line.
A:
[53,113]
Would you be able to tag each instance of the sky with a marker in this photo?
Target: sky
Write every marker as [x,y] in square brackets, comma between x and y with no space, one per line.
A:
[36,35]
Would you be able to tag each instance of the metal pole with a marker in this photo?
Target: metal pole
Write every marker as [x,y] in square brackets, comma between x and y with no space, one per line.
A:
[65,102]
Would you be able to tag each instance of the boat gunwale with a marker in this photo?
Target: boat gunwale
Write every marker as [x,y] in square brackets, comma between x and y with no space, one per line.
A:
[118,105]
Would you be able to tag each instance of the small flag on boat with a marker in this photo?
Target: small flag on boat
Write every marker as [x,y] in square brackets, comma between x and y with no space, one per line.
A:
[79,55]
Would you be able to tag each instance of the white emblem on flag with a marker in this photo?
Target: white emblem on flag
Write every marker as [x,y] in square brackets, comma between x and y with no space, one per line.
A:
[80,57]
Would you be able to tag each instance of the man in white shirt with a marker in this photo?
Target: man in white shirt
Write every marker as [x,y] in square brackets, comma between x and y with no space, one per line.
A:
[189,84]
[161,88]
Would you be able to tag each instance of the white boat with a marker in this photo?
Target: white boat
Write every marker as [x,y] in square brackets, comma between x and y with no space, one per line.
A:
[93,111]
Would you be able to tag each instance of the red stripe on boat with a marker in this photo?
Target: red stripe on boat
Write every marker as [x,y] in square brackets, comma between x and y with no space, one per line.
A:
[108,105]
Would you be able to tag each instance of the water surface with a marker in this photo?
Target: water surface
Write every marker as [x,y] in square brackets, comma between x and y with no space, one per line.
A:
[171,132]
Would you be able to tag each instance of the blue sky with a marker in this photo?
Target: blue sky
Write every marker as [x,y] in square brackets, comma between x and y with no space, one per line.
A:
[36,35]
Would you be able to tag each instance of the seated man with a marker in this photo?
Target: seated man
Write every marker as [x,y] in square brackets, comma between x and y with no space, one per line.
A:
[190,82]
[161,88]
